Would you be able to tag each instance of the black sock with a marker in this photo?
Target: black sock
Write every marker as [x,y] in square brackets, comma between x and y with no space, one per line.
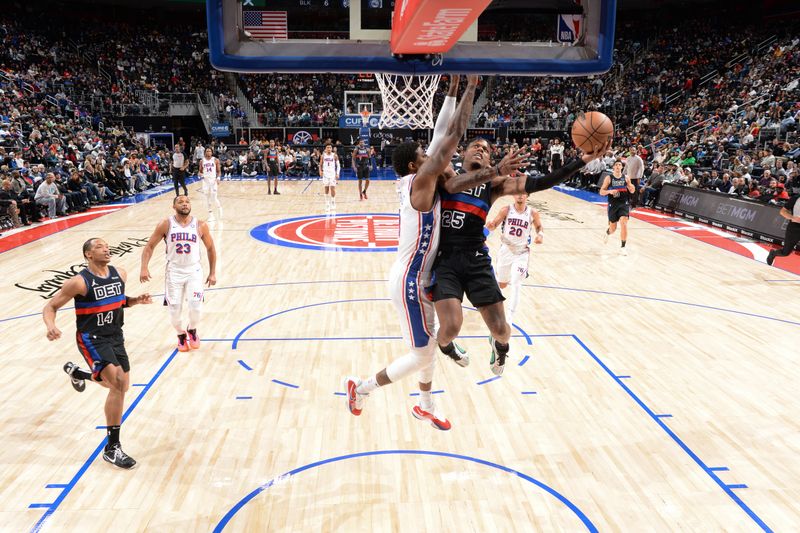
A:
[113,436]
[80,374]
[182,337]
[623,244]
[192,332]
[450,349]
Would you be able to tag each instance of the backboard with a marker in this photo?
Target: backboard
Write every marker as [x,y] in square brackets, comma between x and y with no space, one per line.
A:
[510,37]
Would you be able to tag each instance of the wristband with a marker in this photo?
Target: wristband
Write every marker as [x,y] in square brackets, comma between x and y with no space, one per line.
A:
[126,304]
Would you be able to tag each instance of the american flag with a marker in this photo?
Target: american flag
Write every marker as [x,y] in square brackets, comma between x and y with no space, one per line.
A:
[266,24]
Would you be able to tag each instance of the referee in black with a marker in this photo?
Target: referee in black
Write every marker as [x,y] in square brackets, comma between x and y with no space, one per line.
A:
[791,212]
[179,164]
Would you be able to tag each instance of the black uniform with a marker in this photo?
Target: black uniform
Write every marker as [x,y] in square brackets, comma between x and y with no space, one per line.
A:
[99,318]
[362,162]
[792,236]
[463,264]
[618,206]
[272,162]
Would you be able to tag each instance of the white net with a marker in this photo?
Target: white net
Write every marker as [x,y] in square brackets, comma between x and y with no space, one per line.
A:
[407,100]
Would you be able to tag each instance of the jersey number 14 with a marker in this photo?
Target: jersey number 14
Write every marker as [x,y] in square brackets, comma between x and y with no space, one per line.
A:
[105,318]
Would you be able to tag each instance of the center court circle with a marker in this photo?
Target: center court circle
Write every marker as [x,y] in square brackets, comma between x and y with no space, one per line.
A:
[358,232]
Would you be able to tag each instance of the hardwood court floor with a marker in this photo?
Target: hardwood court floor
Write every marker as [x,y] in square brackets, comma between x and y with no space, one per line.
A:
[654,392]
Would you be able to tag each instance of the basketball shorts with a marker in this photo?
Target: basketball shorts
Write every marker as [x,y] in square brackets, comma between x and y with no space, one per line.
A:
[362,172]
[512,267]
[329,180]
[618,210]
[469,271]
[100,351]
[413,304]
[183,284]
[209,185]
[272,168]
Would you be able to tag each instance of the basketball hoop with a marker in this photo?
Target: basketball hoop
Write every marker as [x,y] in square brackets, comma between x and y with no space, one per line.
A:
[365,114]
[407,100]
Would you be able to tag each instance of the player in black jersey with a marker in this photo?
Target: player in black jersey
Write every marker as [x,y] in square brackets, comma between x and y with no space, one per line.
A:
[99,293]
[271,166]
[361,161]
[618,189]
[463,265]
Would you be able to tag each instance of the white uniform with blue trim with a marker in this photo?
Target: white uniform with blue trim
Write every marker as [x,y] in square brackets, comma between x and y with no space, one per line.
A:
[412,270]
[184,272]
[512,259]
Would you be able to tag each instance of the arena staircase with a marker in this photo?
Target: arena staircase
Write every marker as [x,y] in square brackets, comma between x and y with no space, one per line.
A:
[481,101]
[244,103]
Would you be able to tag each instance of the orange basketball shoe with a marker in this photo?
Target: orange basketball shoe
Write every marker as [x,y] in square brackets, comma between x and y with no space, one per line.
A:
[194,340]
[436,419]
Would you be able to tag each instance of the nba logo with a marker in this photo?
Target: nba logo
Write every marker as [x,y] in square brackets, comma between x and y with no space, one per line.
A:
[569,28]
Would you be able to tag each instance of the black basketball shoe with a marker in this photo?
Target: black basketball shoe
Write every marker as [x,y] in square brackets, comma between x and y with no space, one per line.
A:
[77,384]
[117,457]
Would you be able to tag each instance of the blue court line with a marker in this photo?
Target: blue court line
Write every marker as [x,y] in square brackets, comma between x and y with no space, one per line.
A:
[528,391]
[138,384]
[56,486]
[307,186]
[246,367]
[285,477]
[432,392]
[779,280]
[262,319]
[664,300]
[485,381]
[244,397]
[677,439]
[279,382]
[622,377]
[719,468]
[739,486]
[340,393]
[574,289]
[85,466]
[101,427]
[372,338]
[664,416]
[524,359]
[40,506]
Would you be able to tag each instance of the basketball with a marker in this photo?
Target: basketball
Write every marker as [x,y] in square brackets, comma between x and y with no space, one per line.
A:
[590,130]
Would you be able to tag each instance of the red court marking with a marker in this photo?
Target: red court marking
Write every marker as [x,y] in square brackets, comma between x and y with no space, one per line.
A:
[360,231]
[718,237]
[39,231]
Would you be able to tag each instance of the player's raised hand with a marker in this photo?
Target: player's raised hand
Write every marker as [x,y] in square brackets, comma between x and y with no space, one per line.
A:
[144,275]
[513,161]
[599,151]
[453,89]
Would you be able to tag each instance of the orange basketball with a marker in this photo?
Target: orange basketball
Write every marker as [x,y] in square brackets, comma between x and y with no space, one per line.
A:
[591,130]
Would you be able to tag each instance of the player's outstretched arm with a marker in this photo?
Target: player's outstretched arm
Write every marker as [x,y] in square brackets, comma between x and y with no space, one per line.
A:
[159,234]
[424,188]
[445,115]
[501,215]
[519,184]
[513,161]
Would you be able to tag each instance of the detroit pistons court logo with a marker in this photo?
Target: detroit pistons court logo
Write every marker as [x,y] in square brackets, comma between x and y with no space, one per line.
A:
[363,232]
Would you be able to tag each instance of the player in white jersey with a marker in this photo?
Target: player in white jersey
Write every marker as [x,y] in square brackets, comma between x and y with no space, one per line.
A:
[516,221]
[210,172]
[183,234]
[410,275]
[329,168]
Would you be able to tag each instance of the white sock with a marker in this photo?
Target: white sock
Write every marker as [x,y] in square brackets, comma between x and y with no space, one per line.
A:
[368,385]
[425,400]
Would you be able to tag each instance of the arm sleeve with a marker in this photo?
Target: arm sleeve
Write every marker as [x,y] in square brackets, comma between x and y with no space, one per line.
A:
[442,121]
[554,178]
